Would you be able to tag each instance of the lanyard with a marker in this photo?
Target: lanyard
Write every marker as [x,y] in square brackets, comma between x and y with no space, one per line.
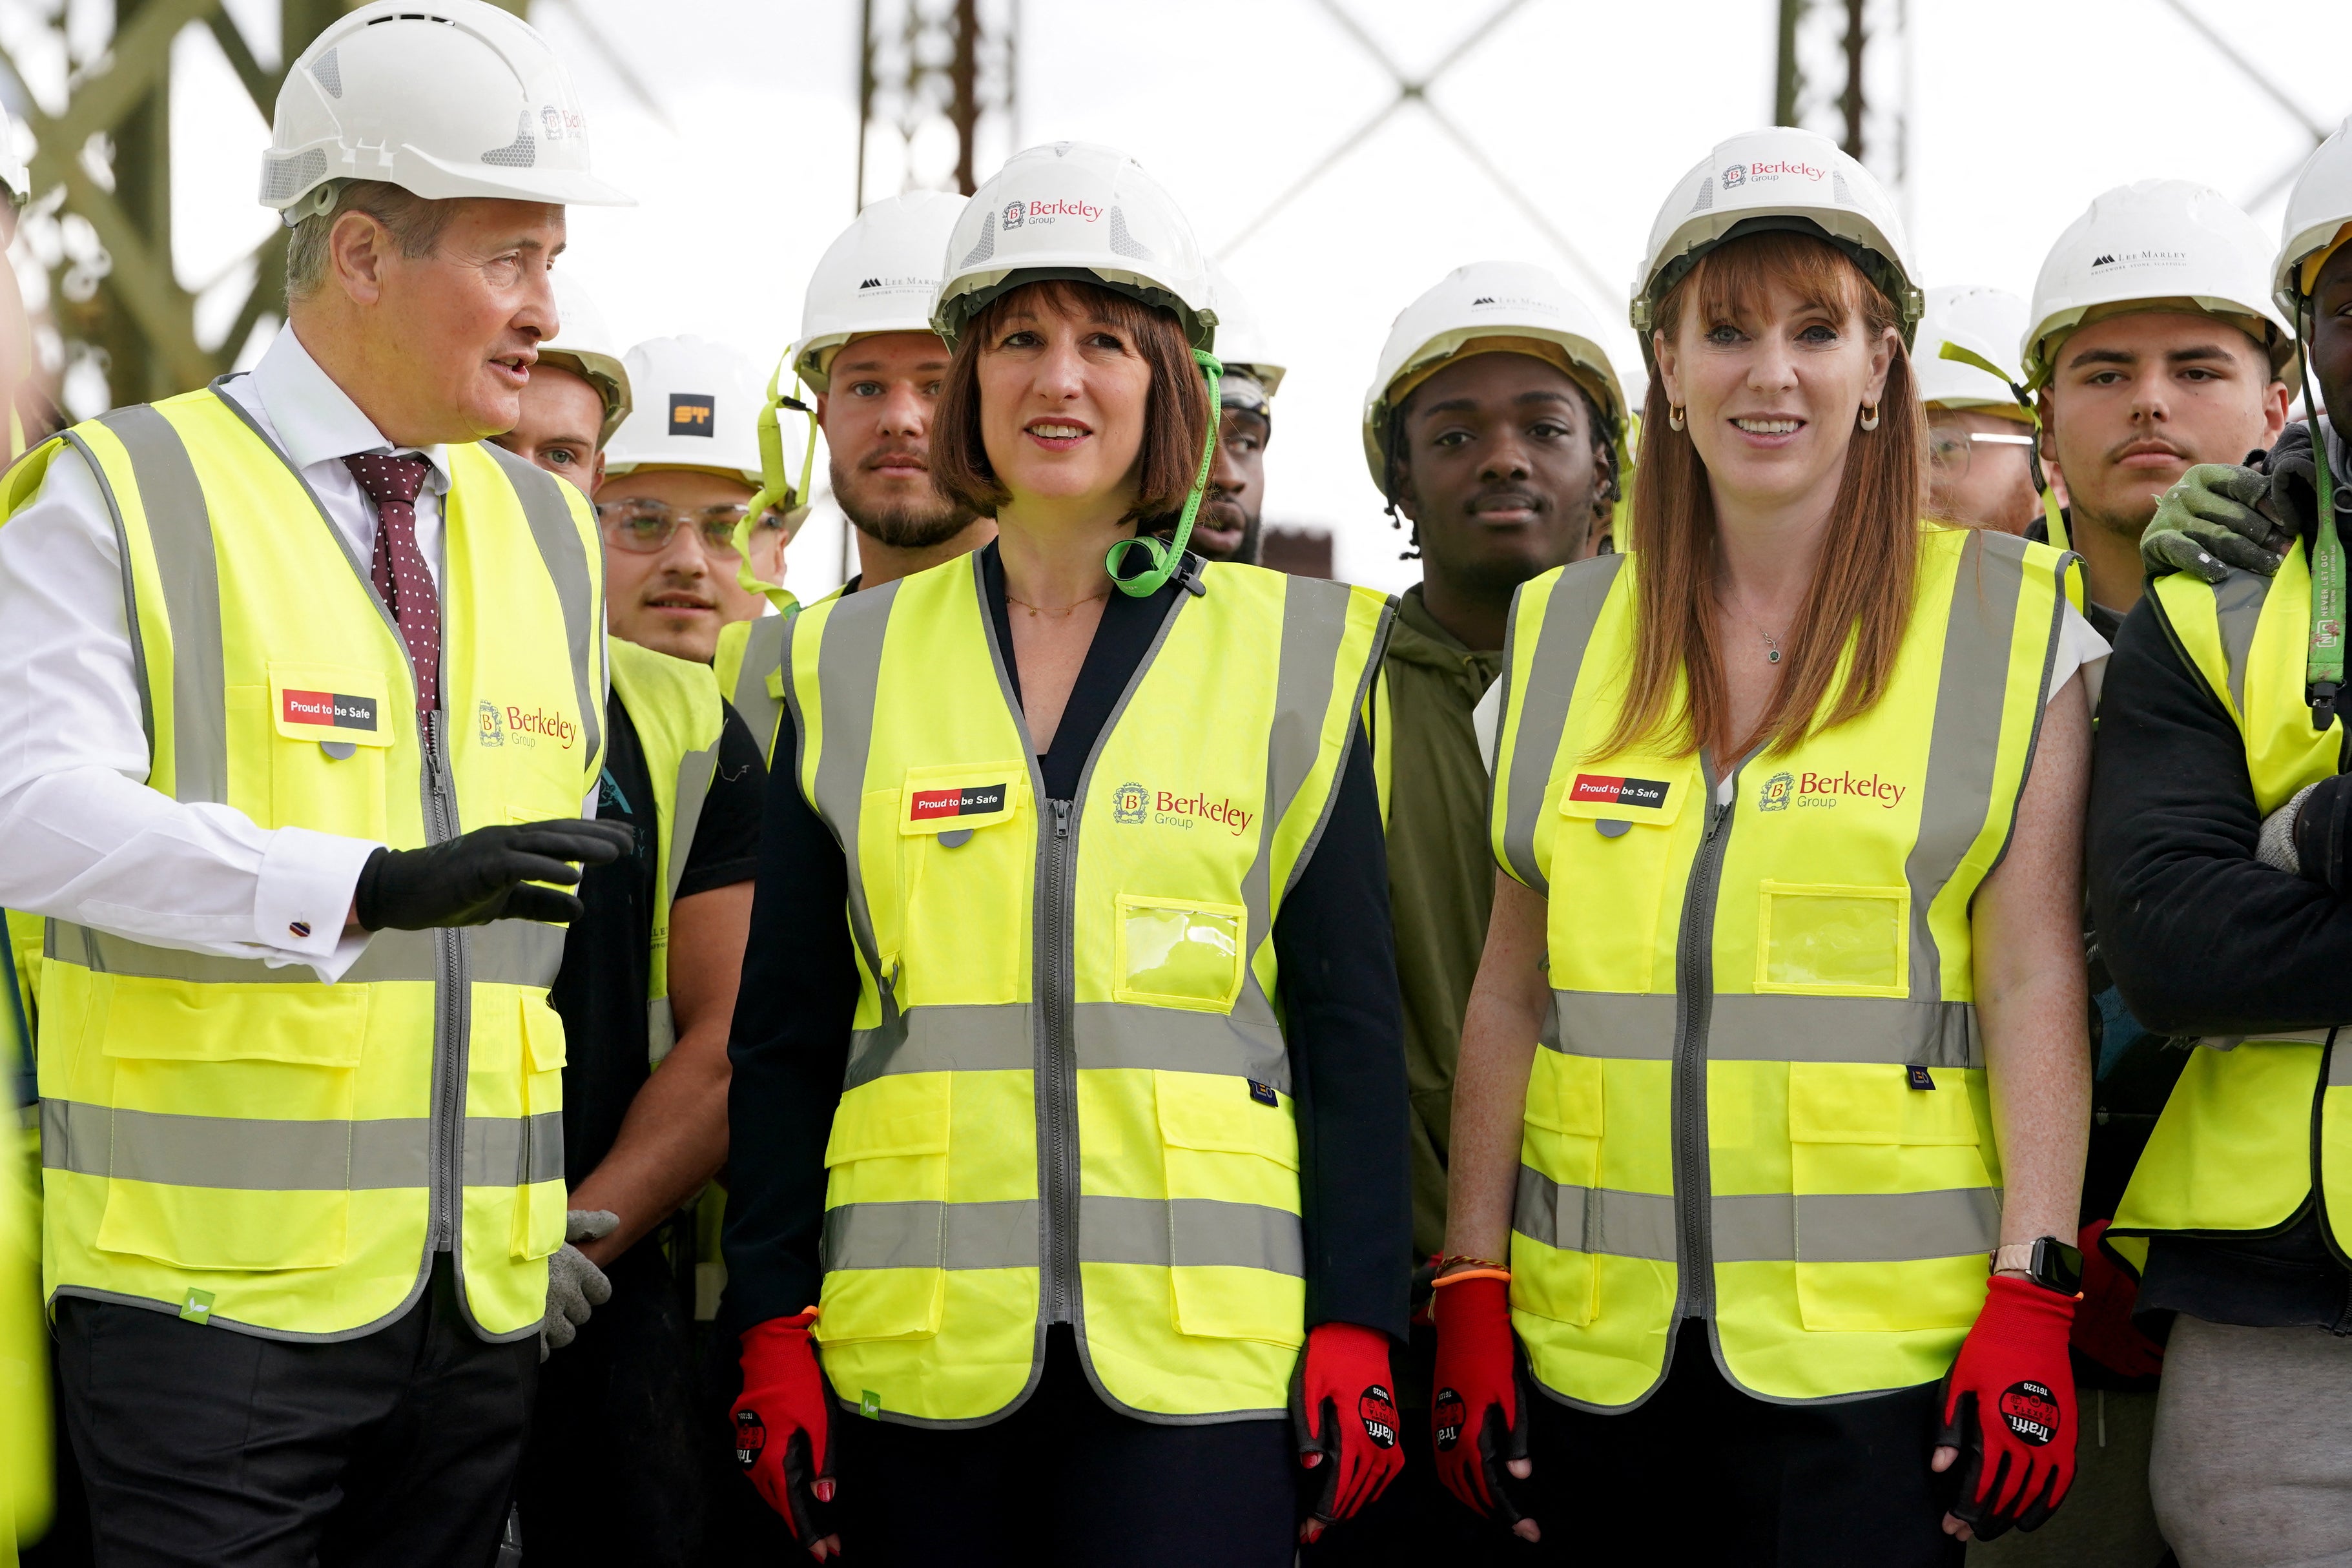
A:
[2322,667]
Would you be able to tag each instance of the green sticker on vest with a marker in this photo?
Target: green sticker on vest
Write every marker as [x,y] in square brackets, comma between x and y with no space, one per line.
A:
[198,1307]
[869,1404]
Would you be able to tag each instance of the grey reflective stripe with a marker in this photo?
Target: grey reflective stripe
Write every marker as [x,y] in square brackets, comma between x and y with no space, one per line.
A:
[1856,1228]
[849,675]
[505,953]
[269,1154]
[1594,1219]
[129,586]
[764,655]
[1764,1228]
[661,1031]
[694,772]
[566,559]
[1964,747]
[2238,606]
[1756,1026]
[180,528]
[1569,616]
[976,1038]
[1194,1233]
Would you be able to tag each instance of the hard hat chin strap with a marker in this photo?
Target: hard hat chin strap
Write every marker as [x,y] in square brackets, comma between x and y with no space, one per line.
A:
[1166,557]
[2053,519]
[774,488]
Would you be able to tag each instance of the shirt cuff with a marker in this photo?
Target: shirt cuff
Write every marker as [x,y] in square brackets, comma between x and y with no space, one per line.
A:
[303,893]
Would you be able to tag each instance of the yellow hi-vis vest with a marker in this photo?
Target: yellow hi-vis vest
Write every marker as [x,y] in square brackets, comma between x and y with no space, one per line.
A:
[1068,1094]
[674,706]
[2254,1124]
[1760,1097]
[238,1141]
[750,668]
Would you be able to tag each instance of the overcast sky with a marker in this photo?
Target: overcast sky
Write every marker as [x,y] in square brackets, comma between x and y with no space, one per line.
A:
[2019,112]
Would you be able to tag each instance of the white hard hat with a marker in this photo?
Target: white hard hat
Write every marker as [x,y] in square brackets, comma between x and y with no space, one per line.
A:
[698,406]
[1777,178]
[585,346]
[1074,209]
[442,97]
[2316,211]
[1241,341]
[2154,240]
[14,172]
[1987,322]
[879,276]
[1485,300]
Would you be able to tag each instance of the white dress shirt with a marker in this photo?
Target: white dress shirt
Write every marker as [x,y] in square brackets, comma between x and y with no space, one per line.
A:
[85,840]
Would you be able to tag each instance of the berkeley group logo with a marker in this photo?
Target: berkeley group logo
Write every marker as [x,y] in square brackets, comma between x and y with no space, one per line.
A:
[1013,213]
[1129,804]
[1824,790]
[494,726]
[1778,790]
[489,729]
[1134,804]
[1735,175]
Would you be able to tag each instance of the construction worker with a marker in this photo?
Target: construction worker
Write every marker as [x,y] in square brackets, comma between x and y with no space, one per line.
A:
[679,475]
[1234,510]
[1095,1216]
[2217,874]
[648,982]
[867,351]
[1492,424]
[1797,1056]
[291,812]
[2154,347]
[1979,429]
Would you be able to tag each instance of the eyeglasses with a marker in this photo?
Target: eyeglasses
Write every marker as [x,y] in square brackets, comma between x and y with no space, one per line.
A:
[646,527]
[1950,447]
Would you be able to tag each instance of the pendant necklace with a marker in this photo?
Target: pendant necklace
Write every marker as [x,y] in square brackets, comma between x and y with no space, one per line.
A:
[1771,643]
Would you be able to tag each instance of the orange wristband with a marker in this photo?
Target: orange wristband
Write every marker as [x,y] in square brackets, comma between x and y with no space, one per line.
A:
[1492,1271]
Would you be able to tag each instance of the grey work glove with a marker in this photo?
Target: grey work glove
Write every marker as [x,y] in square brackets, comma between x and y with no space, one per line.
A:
[576,1286]
[2276,846]
[486,875]
[2219,516]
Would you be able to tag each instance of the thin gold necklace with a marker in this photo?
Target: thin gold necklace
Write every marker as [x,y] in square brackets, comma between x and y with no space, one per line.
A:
[1065,610]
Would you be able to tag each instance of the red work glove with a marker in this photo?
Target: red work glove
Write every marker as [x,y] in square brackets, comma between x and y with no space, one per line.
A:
[2008,1407]
[1343,1409]
[1480,1397]
[2104,1330]
[780,1421]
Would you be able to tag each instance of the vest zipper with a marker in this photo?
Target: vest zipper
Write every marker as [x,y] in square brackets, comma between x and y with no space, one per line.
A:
[448,1087]
[1694,982]
[1058,1093]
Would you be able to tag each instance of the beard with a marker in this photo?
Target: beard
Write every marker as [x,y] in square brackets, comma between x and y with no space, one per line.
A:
[911,523]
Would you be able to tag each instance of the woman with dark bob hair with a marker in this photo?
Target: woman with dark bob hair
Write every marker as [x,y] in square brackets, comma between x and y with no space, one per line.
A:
[1069,1088]
[1769,1134]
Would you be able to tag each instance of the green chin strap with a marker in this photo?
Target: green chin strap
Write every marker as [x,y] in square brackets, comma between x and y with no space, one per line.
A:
[774,488]
[1166,558]
[2053,519]
[2322,668]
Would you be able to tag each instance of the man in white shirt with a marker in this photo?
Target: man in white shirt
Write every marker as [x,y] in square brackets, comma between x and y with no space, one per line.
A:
[291,798]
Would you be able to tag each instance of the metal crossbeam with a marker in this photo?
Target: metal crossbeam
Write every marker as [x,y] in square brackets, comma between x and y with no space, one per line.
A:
[1415,90]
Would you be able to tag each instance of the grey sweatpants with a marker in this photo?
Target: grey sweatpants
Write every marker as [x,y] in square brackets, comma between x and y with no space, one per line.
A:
[2252,1464]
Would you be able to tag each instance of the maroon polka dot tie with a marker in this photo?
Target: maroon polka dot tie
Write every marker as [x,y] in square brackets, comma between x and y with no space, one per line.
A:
[401,577]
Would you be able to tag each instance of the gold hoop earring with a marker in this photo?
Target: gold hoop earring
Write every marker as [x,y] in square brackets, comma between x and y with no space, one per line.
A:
[1870,416]
[1674,416]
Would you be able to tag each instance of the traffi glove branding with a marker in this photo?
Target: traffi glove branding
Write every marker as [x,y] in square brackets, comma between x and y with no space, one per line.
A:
[783,1436]
[1345,1418]
[2009,1408]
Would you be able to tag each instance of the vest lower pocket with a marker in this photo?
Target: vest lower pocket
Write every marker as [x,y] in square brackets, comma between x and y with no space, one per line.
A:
[1892,1211]
[538,1210]
[1232,1233]
[1552,1274]
[886,1210]
[231,1137]
[1175,952]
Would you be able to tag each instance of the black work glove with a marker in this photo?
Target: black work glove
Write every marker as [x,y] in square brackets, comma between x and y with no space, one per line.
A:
[2323,832]
[486,875]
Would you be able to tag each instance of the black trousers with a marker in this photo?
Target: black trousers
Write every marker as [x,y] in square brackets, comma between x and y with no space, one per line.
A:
[198,1445]
[1704,1473]
[619,1464]
[1066,1480]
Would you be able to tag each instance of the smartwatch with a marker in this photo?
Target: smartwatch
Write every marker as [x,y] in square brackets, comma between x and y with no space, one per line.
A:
[2052,1264]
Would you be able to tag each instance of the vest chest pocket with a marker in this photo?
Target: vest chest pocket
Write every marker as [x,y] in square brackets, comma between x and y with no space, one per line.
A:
[1825,939]
[331,730]
[886,1210]
[1173,952]
[1895,1213]
[964,865]
[1613,851]
[1233,1243]
[251,1167]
